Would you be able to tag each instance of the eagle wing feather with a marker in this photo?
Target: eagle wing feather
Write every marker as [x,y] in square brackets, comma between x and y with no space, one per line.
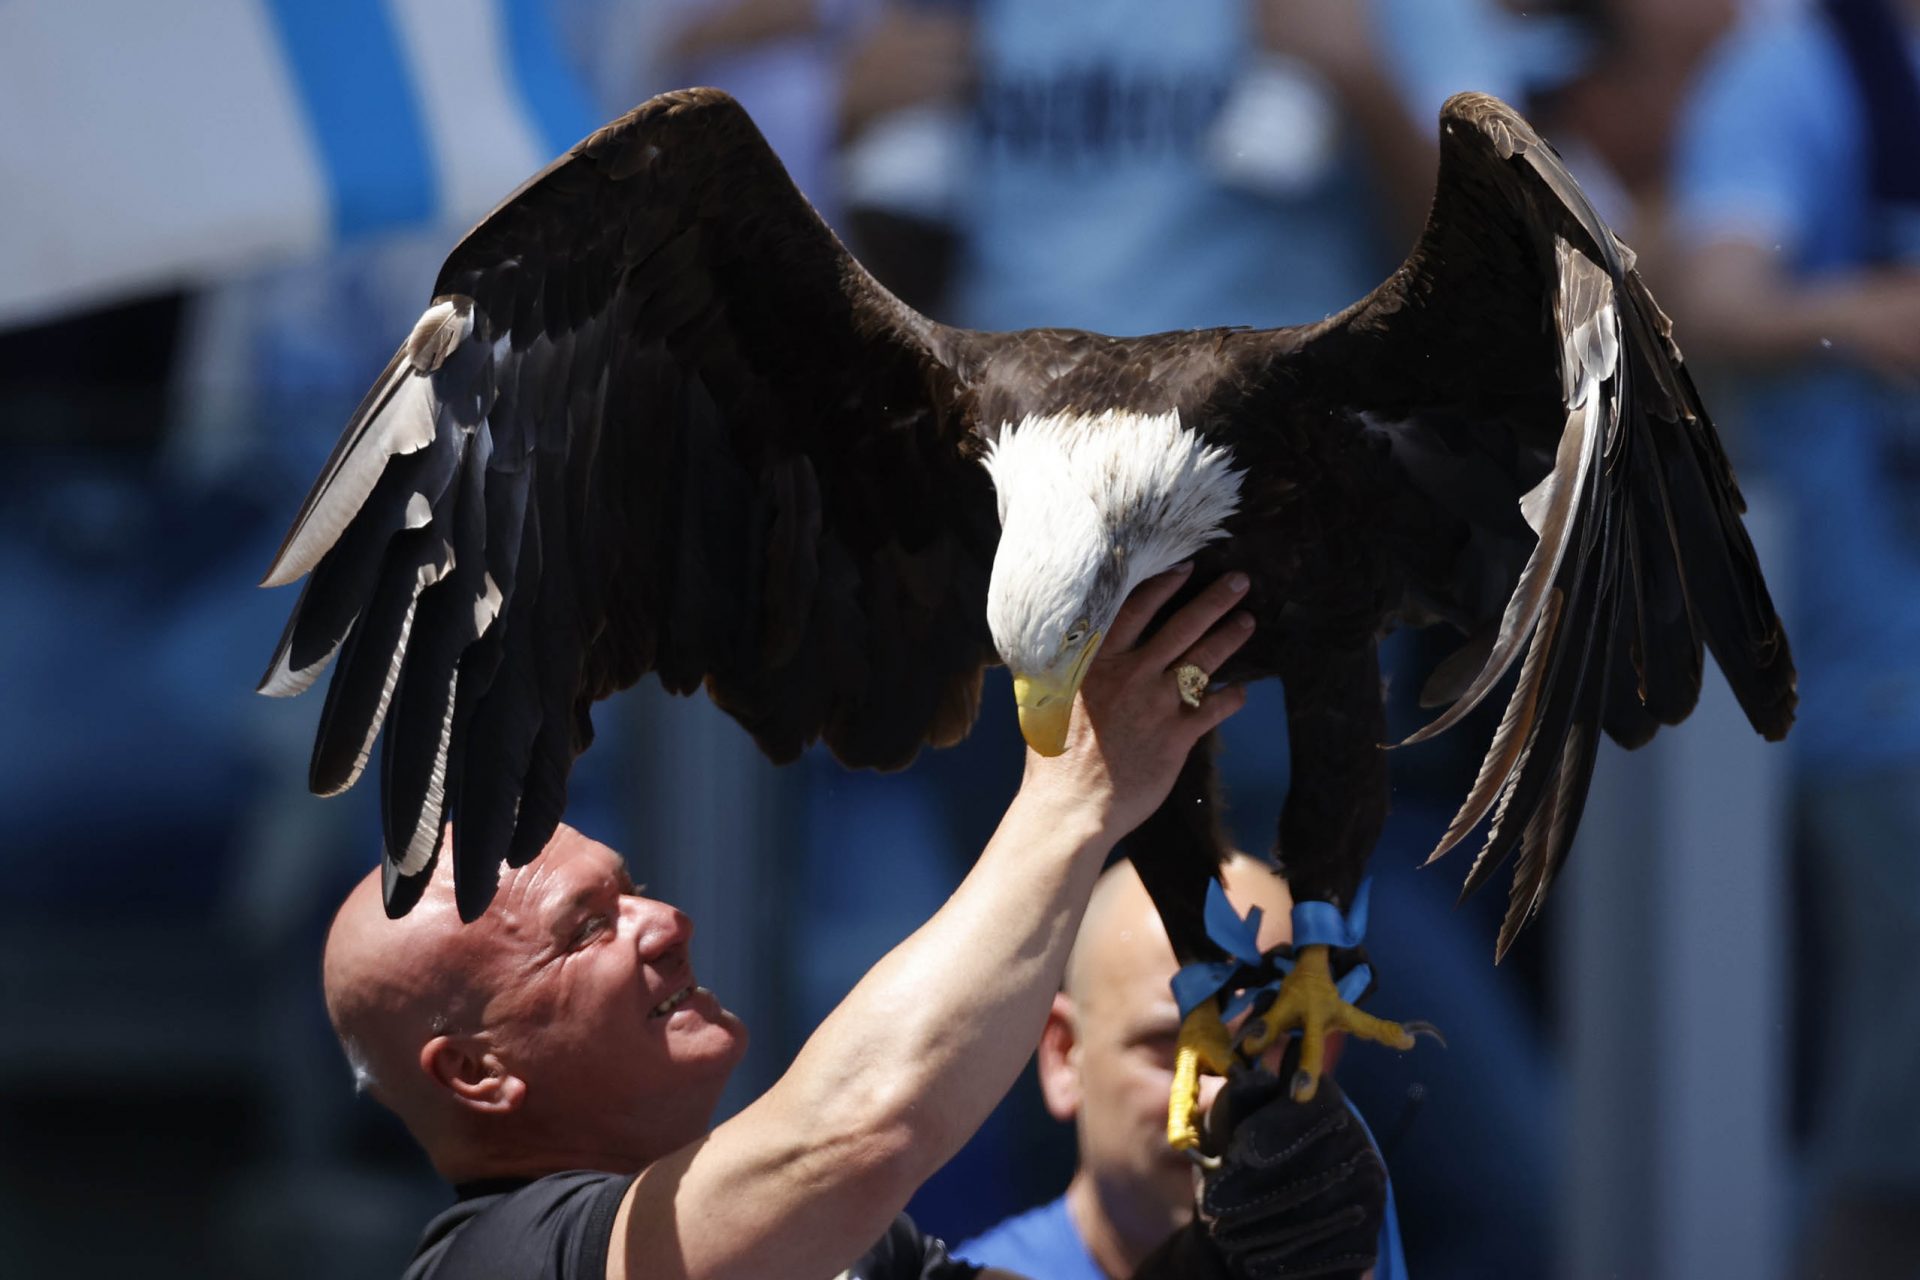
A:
[1518,345]
[655,419]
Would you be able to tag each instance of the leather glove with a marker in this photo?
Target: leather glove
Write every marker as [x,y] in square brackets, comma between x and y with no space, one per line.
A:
[1300,1191]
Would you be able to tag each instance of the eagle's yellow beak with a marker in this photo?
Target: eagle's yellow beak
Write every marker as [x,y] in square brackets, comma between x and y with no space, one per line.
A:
[1046,703]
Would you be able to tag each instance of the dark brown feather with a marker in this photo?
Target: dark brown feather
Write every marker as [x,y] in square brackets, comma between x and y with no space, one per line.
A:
[732,459]
[1458,360]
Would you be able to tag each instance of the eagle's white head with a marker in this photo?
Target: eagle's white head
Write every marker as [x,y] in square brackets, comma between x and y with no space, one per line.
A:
[1090,507]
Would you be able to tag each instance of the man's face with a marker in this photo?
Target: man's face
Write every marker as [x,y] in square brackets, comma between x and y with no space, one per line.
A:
[1126,1028]
[593,999]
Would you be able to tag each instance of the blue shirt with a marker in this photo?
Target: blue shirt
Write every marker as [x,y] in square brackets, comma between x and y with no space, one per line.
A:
[1038,1243]
[1044,1244]
[1773,152]
[1098,200]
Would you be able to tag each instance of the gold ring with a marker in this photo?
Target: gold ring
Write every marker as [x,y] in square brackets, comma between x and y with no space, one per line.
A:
[1192,681]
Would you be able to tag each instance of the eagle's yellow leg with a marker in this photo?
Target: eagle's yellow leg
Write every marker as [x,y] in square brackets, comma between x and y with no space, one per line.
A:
[1309,1003]
[1203,1044]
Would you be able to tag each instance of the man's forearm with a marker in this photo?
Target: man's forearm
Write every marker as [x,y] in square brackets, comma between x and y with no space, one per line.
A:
[1743,305]
[1340,41]
[936,1032]
[1753,321]
[923,1048]
[892,1083]
[1402,153]
[917,1055]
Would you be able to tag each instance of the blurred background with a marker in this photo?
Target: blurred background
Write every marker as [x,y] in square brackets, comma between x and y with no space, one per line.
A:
[219,217]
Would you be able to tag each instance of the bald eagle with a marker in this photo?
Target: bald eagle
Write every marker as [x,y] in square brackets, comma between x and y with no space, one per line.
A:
[656,419]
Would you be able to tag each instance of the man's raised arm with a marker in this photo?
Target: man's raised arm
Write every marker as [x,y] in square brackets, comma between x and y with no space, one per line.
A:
[898,1077]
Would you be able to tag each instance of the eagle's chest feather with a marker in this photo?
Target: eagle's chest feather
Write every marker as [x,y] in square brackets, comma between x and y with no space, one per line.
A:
[1321,529]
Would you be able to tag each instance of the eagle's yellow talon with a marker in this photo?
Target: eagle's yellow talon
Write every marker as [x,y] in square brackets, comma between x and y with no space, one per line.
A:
[1203,1044]
[1311,1004]
[1308,1002]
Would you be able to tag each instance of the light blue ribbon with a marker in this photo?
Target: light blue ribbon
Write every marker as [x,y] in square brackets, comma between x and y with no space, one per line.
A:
[1239,937]
[1314,924]
[1353,983]
[1320,924]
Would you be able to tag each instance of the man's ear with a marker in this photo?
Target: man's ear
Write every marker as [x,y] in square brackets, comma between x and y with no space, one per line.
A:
[475,1076]
[1059,1060]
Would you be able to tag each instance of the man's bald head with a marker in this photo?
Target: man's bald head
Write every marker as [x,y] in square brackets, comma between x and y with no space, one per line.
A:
[1106,1058]
[563,1028]
[393,984]
[1122,931]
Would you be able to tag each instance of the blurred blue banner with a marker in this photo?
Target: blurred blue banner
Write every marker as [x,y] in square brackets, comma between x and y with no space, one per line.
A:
[149,145]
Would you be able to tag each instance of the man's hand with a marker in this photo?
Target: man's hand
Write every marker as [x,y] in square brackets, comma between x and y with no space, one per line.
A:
[1334,37]
[1339,40]
[722,29]
[1130,731]
[1299,1193]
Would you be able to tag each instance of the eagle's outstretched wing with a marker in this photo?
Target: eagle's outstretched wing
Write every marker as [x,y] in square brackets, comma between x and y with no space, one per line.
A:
[656,419]
[1516,352]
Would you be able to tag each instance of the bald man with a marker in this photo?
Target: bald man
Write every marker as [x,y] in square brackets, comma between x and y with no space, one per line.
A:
[1106,1064]
[560,1063]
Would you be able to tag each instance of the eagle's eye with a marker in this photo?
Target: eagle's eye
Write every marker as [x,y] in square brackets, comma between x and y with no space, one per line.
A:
[1075,636]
